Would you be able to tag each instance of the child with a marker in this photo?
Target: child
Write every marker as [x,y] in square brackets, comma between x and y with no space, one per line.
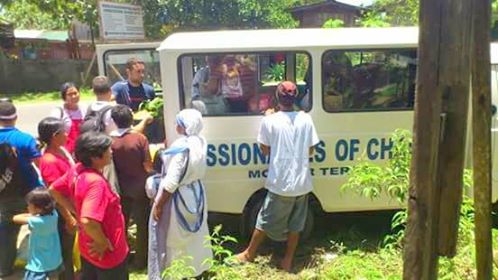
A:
[45,258]
[130,152]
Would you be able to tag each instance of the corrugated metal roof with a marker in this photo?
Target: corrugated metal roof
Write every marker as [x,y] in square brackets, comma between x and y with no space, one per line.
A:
[51,35]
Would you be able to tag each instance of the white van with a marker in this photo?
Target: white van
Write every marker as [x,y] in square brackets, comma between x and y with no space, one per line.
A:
[358,84]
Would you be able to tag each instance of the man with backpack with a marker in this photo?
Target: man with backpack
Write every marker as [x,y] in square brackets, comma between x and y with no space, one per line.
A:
[18,153]
[98,115]
[98,119]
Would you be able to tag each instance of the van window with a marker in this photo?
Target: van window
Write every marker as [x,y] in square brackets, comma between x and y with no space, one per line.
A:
[368,80]
[115,65]
[231,84]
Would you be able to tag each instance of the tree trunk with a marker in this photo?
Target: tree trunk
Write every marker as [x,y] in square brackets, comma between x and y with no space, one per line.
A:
[481,135]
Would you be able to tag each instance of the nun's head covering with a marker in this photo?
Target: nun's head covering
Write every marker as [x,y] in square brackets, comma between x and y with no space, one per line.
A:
[191,120]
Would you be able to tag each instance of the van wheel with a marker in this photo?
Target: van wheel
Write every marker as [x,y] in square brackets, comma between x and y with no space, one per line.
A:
[251,215]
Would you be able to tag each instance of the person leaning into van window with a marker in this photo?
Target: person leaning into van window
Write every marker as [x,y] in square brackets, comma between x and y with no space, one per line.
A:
[133,91]
[206,96]
[102,236]
[288,137]
[71,113]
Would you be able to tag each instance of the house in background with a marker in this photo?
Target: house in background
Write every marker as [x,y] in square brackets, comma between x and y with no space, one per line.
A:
[49,44]
[315,15]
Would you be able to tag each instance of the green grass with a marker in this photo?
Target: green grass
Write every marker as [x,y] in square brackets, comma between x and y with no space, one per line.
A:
[45,97]
[346,247]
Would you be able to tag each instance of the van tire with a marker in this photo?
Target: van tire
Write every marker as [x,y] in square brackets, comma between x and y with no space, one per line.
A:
[252,208]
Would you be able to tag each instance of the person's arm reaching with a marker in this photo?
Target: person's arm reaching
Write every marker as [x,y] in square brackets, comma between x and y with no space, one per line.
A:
[140,127]
[21,219]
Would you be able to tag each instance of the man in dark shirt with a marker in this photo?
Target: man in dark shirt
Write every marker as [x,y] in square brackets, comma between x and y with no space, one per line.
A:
[133,163]
[133,91]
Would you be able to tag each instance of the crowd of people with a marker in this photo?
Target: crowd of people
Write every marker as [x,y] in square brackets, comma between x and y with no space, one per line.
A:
[94,173]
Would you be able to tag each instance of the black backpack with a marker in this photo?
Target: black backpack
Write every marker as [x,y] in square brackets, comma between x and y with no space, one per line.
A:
[94,120]
[11,181]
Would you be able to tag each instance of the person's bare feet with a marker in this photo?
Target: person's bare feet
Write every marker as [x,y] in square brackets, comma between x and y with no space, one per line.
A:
[286,264]
[244,257]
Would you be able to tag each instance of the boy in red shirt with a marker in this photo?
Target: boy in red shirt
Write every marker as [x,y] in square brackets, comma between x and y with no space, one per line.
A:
[102,238]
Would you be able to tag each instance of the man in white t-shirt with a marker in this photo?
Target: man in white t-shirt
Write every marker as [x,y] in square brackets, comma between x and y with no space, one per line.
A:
[288,136]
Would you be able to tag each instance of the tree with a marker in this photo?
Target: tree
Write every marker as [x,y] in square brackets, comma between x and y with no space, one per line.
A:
[163,16]
[401,13]
[333,23]
[226,14]
[391,12]
[16,13]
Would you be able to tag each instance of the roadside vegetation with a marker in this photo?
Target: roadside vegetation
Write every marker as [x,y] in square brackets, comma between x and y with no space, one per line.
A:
[348,246]
[45,97]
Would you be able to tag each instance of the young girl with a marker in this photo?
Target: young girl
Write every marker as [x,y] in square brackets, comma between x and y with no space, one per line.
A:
[45,258]
[54,163]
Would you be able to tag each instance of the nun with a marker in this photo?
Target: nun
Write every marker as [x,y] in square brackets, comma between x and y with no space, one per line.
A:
[178,224]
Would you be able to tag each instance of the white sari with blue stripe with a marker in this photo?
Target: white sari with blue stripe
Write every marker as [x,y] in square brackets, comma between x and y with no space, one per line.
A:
[183,228]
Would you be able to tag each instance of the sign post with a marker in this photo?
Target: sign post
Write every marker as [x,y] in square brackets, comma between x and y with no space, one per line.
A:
[120,21]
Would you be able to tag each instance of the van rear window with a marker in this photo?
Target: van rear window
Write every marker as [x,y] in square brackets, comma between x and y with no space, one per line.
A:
[368,80]
[230,84]
[115,65]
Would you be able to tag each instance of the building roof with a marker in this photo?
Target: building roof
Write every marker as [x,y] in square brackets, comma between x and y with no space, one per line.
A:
[326,3]
[50,35]
[290,39]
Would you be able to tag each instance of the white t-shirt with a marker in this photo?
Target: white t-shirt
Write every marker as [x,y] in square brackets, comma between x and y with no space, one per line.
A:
[289,135]
[67,115]
[108,121]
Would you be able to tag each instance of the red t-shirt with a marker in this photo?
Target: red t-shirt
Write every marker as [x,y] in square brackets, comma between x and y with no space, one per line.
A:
[94,199]
[53,166]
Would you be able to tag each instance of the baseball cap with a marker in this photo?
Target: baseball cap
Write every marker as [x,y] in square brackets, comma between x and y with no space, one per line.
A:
[287,88]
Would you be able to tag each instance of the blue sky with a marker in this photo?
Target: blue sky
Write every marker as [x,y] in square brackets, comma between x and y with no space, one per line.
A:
[357,2]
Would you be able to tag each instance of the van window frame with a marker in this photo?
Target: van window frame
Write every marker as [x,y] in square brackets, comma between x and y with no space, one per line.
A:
[104,55]
[179,71]
[322,93]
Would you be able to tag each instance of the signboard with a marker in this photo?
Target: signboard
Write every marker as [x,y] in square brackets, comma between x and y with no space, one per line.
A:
[121,21]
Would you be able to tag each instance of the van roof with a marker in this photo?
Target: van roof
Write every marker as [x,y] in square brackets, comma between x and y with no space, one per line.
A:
[268,39]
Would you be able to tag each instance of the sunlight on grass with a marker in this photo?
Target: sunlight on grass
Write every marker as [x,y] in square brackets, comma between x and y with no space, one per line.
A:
[45,97]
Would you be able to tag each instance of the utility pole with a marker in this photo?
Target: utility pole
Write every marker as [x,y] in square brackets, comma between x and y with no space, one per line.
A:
[481,136]
[441,106]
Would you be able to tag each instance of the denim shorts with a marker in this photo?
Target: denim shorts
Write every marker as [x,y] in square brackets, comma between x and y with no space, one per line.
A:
[53,274]
[280,215]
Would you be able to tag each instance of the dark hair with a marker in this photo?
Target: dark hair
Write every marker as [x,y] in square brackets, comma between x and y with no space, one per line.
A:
[65,87]
[132,61]
[91,145]
[48,127]
[41,199]
[7,111]
[122,116]
[101,85]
